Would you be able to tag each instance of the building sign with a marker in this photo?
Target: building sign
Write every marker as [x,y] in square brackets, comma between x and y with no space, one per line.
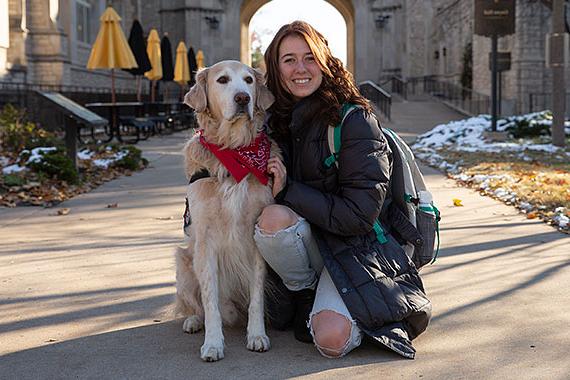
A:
[494,17]
[503,61]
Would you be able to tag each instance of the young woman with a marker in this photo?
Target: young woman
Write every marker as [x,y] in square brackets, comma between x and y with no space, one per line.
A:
[319,235]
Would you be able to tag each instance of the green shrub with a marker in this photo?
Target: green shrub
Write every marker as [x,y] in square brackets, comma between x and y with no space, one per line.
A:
[55,164]
[132,160]
[13,180]
[538,124]
[16,133]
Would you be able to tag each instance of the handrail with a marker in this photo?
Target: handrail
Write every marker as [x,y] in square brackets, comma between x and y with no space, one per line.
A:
[377,95]
[399,86]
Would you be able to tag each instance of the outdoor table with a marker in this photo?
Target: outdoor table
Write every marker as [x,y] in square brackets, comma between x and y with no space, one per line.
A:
[113,111]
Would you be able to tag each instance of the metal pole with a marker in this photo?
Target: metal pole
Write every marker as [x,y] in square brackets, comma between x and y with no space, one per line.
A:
[558,80]
[500,96]
[494,83]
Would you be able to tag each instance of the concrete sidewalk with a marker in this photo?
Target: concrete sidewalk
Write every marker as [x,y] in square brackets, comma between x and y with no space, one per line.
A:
[88,295]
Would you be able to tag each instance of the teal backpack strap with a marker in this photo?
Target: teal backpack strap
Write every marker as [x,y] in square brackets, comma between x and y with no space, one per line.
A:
[380,234]
[333,134]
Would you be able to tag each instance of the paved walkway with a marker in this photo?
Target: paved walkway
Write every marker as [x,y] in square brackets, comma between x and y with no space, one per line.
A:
[88,295]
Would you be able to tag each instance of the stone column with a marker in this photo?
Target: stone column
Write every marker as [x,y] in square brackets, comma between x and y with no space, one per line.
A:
[46,49]
[4,36]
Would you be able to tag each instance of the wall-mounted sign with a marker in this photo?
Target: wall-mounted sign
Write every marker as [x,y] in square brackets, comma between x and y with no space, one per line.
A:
[494,17]
[503,61]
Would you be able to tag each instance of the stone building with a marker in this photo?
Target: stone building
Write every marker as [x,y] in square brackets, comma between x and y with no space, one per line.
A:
[48,41]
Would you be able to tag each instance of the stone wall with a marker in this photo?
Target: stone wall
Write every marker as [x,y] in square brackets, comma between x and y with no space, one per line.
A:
[452,31]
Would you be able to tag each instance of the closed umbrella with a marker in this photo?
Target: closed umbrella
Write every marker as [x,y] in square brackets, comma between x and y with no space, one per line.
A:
[200,59]
[111,50]
[138,47]
[181,69]
[153,52]
[192,65]
[167,64]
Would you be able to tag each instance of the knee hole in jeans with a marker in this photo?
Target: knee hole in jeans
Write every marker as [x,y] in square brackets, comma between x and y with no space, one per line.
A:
[275,218]
[331,332]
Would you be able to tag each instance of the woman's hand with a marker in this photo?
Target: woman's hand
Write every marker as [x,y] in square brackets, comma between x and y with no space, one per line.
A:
[276,169]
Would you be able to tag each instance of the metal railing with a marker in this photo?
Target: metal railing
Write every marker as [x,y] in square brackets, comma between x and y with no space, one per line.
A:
[463,99]
[399,86]
[466,100]
[378,96]
[25,96]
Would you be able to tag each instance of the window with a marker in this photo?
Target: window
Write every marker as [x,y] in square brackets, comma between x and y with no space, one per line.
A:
[83,21]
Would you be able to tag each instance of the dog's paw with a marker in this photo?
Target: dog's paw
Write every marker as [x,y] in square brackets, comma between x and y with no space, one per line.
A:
[192,324]
[259,343]
[212,352]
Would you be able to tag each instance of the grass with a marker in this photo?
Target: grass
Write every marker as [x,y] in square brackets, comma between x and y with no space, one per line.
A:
[539,181]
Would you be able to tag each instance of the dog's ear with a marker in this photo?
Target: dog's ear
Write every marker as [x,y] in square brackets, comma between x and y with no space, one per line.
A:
[263,97]
[197,97]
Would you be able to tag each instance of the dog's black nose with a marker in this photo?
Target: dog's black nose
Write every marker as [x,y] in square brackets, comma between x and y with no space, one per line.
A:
[242,98]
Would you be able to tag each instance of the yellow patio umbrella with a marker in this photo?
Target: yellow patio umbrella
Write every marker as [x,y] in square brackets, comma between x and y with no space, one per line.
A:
[181,67]
[153,51]
[111,49]
[200,59]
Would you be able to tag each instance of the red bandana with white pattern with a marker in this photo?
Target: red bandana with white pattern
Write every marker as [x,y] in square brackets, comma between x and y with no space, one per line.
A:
[242,161]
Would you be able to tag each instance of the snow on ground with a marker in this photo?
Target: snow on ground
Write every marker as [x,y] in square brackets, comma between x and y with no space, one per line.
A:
[469,136]
[36,154]
[105,162]
[13,169]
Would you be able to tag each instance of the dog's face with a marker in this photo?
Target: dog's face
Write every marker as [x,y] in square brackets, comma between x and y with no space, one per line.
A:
[229,90]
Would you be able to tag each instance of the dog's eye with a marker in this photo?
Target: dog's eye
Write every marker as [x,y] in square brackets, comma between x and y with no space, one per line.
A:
[248,80]
[223,79]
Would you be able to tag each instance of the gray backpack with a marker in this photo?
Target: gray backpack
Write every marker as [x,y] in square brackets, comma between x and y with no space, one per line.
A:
[408,212]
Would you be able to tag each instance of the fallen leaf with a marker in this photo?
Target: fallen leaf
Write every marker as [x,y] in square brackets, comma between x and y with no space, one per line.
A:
[113,205]
[457,202]
[63,211]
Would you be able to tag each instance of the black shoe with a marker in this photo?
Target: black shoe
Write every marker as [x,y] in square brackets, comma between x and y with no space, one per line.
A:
[304,304]
[279,303]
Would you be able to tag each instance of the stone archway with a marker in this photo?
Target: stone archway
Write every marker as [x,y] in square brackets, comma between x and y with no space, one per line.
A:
[249,7]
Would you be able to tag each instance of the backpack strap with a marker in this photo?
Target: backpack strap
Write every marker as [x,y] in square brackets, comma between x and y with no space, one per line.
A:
[334,140]
[333,134]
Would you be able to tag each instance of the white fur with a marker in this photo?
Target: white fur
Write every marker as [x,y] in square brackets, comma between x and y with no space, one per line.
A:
[221,270]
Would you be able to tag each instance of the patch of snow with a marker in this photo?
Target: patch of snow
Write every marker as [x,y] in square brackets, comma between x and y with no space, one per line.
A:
[562,220]
[13,169]
[37,153]
[106,162]
[525,206]
[85,154]
[467,135]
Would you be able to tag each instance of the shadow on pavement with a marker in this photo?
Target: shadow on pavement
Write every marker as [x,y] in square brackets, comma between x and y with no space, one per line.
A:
[163,351]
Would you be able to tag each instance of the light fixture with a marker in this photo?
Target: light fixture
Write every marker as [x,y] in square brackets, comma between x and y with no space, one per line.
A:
[212,21]
[381,21]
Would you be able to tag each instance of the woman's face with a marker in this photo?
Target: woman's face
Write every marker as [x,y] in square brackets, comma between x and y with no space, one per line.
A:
[300,73]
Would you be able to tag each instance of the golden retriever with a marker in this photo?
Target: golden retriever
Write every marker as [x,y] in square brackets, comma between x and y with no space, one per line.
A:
[221,273]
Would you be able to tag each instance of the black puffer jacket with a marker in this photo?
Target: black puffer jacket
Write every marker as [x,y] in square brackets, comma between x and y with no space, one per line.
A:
[378,283]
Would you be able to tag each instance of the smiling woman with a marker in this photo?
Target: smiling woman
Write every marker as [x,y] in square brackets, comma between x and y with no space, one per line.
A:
[320,13]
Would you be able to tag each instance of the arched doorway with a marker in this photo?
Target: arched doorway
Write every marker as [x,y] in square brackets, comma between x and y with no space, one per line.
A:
[249,7]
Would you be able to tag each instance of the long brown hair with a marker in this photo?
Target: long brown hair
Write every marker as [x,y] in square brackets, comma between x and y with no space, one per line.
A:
[337,87]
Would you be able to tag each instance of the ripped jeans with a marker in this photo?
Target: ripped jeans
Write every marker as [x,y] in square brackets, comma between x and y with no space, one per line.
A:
[294,255]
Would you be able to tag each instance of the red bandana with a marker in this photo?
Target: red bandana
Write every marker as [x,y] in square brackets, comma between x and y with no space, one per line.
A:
[241,161]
